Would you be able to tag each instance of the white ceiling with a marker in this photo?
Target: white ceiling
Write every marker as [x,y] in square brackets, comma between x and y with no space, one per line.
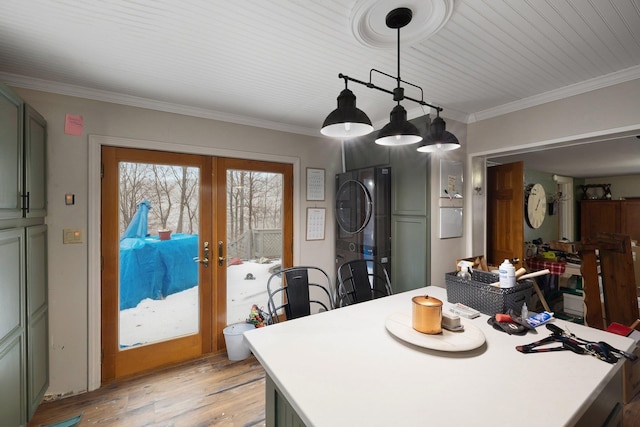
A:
[275,64]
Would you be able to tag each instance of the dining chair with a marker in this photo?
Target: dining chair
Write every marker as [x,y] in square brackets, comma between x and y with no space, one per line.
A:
[362,280]
[292,290]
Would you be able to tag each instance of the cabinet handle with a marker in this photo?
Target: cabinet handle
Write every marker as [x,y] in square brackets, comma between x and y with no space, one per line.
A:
[25,202]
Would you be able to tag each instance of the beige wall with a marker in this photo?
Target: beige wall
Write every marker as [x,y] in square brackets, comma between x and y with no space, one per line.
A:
[597,112]
[602,112]
[68,172]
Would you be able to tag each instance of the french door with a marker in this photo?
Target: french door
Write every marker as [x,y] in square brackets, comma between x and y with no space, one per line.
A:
[257,231]
[172,226]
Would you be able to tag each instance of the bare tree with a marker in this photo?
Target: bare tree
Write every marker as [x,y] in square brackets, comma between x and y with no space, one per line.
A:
[162,189]
[187,183]
[132,190]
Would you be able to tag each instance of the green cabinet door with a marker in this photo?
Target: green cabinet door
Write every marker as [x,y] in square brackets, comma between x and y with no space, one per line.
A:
[12,329]
[11,146]
[12,382]
[37,316]
[35,179]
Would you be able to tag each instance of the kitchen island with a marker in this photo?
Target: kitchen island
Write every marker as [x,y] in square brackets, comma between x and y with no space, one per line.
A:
[343,368]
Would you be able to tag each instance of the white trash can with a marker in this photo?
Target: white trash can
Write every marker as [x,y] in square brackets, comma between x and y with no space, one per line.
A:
[237,346]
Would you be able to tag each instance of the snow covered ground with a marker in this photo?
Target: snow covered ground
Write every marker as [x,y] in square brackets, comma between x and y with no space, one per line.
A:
[177,315]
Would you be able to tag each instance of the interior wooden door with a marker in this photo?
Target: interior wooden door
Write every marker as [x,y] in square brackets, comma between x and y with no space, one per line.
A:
[505,214]
[141,268]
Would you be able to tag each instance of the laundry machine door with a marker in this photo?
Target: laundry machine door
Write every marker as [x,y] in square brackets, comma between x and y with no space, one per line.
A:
[353,206]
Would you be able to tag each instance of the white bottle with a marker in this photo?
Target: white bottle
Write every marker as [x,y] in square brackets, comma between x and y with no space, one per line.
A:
[507,274]
[524,313]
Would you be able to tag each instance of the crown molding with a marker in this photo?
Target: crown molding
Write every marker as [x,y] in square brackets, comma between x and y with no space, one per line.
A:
[151,104]
[611,79]
[607,80]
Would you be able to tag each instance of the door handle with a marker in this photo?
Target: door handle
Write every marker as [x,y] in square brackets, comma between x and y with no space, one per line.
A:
[205,259]
[515,261]
[220,253]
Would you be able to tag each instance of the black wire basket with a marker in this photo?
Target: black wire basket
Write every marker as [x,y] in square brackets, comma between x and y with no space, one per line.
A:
[478,293]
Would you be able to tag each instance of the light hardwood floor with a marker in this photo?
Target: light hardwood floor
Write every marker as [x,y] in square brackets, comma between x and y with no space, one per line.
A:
[208,391]
[205,392]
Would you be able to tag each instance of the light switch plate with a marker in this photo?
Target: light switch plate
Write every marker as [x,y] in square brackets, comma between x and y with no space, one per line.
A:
[71,235]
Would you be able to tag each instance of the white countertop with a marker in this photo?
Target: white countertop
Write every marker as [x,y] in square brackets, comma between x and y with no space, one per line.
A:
[343,368]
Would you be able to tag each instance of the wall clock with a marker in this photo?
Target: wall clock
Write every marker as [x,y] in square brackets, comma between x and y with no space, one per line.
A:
[536,206]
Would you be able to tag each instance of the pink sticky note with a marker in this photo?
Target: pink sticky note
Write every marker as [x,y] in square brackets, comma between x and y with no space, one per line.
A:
[73,125]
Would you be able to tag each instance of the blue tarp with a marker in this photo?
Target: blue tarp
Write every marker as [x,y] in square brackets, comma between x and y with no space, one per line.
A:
[139,223]
[153,268]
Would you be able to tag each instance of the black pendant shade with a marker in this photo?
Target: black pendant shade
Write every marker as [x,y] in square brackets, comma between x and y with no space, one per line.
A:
[398,131]
[346,121]
[438,139]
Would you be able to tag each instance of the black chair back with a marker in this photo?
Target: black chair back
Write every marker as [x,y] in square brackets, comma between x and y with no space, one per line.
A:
[362,280]
[293,292]
[297,291]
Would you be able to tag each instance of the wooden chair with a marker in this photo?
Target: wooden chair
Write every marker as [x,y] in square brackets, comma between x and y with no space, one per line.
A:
[609,256]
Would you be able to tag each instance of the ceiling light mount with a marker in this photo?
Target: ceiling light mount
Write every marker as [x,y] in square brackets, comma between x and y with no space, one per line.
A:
[399,131]
[399,18]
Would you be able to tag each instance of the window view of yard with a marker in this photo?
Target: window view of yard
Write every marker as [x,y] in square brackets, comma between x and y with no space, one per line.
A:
[158,221]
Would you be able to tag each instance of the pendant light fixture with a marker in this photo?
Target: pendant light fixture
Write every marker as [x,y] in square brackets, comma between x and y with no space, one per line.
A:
[398,131]
[347,121]
[437,138]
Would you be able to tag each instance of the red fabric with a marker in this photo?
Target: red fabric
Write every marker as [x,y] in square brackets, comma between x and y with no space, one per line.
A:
[556,268]
[235,261]
[617,328]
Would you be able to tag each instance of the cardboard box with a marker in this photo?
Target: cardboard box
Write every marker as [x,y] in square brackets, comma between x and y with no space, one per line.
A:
[631,378]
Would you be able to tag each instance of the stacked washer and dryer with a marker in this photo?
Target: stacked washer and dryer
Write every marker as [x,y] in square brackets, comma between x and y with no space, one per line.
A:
[363,216]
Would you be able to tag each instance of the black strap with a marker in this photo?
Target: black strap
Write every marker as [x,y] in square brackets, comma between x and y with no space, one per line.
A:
[566,344]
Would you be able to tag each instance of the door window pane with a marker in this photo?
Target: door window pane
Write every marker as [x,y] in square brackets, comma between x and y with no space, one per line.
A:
[158,229]
[254,238]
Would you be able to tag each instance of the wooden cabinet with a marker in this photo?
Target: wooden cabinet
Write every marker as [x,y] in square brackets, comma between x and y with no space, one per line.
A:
[24,347]
[612,216]
[630,218]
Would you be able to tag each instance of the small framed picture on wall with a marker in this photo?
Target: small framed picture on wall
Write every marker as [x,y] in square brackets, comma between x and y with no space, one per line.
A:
[315,184]
[315,223]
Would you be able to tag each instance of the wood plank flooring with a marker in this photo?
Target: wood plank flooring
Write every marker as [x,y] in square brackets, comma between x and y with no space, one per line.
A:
[208,391]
